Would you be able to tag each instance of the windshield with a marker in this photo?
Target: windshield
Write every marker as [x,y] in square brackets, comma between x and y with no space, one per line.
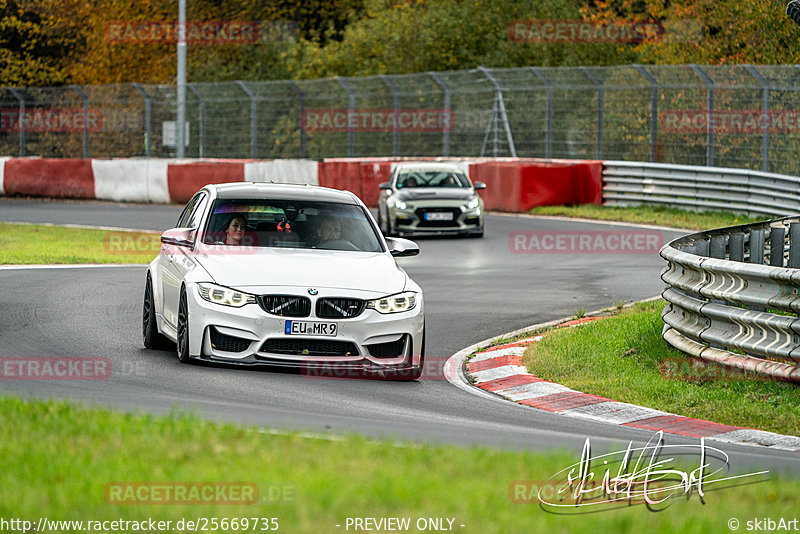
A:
[432,179]
[291,224]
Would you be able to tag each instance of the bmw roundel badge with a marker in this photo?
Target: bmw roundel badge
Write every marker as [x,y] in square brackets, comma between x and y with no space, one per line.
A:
[312,291]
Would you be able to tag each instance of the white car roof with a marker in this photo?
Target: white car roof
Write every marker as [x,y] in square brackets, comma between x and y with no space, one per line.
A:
[253,190]
[429,166]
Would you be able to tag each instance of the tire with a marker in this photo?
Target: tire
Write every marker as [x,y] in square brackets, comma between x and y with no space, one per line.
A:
[183,329]
[151,337]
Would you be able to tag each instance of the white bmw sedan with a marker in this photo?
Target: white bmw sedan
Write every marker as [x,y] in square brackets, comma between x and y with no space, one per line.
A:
[285,275]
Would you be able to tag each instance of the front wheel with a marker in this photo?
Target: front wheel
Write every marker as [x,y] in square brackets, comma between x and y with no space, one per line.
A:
[151,338]
[183,329]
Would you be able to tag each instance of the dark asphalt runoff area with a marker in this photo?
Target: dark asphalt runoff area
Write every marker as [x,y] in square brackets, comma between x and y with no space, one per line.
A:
[474,289]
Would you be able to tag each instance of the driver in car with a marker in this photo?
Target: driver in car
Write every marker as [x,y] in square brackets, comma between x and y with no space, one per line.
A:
[330,229]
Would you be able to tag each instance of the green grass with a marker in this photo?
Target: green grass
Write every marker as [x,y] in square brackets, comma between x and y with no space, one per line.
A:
[659,216]
[42,244]
[622,358]
[58,459]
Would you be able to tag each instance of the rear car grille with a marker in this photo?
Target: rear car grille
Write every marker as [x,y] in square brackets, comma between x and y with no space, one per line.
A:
[310,347]
[437,224]
[339,308]
[392,349]
[285,305]
[226,343]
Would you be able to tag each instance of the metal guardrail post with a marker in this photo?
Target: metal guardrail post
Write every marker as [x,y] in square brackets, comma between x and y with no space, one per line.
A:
[765,110]
[21,120]
[548,143]
[351,106]
[717,247]
[201,104]
[396,141]
[148,140]
[794,245]
[302,102]
[709,83]
[757,246]
[445,127]
[600,104]
[502,109]
[85,100]
[776,246]
[253,118]
[736,247]
[653,111]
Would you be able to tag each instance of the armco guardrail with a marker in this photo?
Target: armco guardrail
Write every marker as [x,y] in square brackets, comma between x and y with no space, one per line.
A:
[704,188]
[733,296]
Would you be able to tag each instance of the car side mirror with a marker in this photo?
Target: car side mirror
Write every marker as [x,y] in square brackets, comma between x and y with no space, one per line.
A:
[180,237]
[401,248]
[386,185]
[479,185]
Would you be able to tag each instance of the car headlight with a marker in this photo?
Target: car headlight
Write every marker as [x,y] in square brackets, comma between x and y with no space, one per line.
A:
[472,204]
[394,303]
[224,295]
[399,204]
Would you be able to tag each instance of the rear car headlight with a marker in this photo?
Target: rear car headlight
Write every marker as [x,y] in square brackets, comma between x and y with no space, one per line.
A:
[394,303]
[224,295]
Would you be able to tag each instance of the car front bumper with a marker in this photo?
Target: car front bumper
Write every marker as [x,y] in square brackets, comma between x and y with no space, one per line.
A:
[376,341]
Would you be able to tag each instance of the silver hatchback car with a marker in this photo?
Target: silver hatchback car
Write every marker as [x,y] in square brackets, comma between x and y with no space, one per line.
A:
[430,198]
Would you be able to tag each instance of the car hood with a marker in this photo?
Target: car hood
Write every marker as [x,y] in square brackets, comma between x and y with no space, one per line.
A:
[434,193]
[365,271]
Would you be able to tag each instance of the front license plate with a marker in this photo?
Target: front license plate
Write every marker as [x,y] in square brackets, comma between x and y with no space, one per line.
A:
[309,328]
[439,216]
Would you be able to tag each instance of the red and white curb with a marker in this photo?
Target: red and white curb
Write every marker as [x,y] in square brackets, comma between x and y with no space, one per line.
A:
[498,372]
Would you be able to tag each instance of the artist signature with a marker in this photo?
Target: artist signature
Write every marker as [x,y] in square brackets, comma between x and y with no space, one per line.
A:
[641,476]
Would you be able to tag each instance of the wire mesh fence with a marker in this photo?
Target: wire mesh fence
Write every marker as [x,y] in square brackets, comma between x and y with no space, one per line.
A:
[729,116]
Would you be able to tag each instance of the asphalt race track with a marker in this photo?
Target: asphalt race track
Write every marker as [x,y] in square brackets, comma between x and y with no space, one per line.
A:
[474,289]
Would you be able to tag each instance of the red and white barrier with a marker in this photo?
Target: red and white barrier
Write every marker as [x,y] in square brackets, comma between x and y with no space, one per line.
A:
[513,184]
[2,172]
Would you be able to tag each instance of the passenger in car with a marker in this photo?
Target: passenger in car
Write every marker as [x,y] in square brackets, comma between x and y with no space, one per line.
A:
[235,229]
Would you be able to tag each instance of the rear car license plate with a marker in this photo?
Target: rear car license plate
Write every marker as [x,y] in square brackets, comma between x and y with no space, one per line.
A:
[310,328]
[439,216]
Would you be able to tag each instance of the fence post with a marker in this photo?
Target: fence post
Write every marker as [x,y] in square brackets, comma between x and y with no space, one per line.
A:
[351,109]
[600,98]
[147,117]
[653,110]
[21,119]
[445,126]
[765,110]
[501,108]
[201,104]
[396,141]
[253,118]
[548,142]
[301,100]
[709,83]
[85,99]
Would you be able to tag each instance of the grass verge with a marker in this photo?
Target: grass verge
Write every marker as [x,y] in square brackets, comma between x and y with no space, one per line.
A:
[625,359]
[25,244]
[60,458]
[659,216]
